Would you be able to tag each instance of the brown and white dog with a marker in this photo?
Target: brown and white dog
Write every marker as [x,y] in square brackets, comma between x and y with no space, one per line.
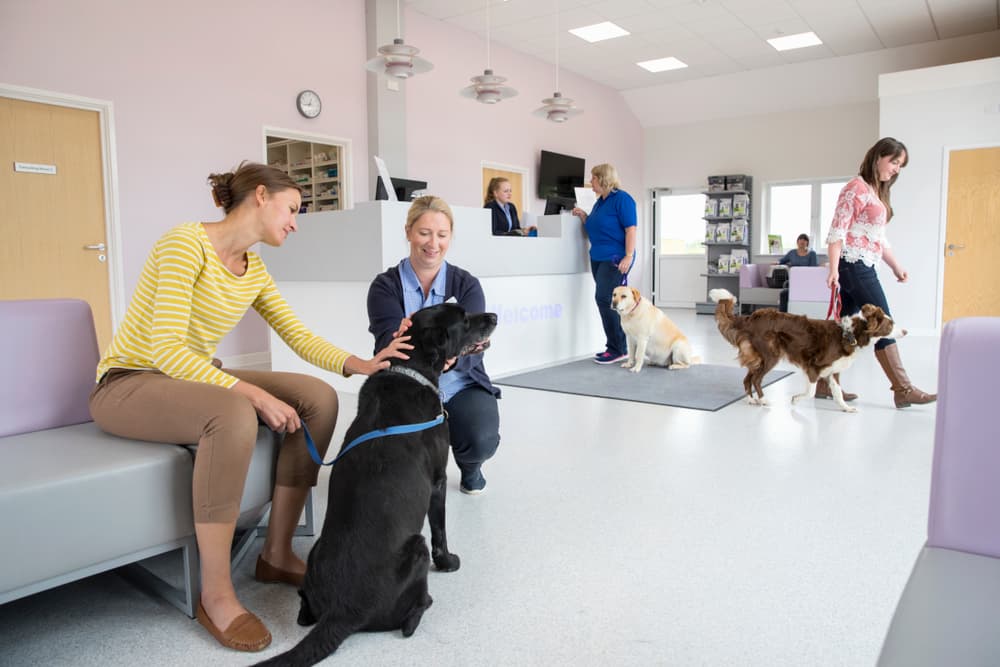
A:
[820,348]
[650,333]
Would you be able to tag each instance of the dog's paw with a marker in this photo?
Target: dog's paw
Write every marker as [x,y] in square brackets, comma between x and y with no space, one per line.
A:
[447,562]
[798,397]
[848,408]
[628,364]
[677,367]
[752,400]
[635,369]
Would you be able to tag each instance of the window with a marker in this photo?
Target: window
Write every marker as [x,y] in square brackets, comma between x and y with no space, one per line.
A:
[800,207]
[680,222]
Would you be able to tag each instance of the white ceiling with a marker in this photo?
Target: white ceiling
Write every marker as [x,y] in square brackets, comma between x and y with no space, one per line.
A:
[712,36]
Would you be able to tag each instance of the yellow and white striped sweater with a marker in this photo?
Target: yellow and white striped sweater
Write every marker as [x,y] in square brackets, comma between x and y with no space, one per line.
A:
[187,301]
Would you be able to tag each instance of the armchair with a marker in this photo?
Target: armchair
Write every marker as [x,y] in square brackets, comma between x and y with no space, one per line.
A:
[948,610]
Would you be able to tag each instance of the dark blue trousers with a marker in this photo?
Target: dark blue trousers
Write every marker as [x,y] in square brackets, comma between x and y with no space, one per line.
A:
[859,285]
[474,426]
[606,279]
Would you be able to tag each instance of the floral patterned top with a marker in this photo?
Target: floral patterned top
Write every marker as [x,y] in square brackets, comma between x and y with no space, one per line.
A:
[859,221]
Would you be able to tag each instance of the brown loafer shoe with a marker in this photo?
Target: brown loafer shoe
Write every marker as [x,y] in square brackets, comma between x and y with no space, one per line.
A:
[269,574]
[245,633]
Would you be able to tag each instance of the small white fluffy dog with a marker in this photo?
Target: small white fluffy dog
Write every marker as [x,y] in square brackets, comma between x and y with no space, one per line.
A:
[650,333]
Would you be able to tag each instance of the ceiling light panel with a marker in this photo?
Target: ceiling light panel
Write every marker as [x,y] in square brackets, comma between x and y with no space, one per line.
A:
[599,32]
[662,64]
[799,41]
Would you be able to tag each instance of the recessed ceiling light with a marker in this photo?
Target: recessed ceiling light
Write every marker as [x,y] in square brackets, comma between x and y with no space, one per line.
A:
[798,41]
[662,64]
[600,31]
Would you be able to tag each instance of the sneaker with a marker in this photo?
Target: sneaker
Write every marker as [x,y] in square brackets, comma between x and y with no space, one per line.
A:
[609,358]
[473,483]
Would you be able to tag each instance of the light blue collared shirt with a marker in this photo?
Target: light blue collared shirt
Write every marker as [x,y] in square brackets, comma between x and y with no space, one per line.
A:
[455,380]
[506,211]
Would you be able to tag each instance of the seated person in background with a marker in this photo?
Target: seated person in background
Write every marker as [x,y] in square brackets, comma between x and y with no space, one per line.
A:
[800,256]
[505,221]
[426,279]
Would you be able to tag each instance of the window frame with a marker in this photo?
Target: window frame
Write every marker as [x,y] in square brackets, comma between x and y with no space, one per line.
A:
[815,203]
[675,192]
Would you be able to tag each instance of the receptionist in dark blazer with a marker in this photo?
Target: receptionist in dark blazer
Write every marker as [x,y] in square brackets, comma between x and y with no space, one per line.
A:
[505,222]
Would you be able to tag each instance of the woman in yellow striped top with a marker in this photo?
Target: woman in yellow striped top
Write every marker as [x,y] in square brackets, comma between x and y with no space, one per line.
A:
[157,381]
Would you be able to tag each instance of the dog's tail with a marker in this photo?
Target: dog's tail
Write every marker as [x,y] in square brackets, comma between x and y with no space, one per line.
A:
[324,638]
[725,318]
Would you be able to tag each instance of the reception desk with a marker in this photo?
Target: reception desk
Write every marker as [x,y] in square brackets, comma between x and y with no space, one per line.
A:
[539,287]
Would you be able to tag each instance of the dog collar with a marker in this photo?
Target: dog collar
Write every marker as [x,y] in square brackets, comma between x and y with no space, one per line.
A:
[414,375]
[636,305]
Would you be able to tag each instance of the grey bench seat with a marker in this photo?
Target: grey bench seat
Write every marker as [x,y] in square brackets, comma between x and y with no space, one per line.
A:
[75,501]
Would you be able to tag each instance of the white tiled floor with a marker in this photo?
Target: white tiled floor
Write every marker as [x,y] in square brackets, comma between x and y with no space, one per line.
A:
[614,533]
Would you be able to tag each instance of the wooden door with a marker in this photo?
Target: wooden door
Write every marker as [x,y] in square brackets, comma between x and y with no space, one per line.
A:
[516,185]
[47,219]
[972,242]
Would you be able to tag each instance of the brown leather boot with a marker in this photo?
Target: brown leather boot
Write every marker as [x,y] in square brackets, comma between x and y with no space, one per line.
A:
[823,389]
[904,393]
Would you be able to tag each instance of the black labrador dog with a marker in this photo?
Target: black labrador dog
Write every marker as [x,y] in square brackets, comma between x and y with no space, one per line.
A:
[368,569]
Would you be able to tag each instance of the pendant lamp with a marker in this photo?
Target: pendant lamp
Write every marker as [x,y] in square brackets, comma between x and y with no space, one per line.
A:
[488,88]
[557,108]
[398,60]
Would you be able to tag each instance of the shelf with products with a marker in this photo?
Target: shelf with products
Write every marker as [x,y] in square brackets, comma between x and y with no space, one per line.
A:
[727,233]
[313,166]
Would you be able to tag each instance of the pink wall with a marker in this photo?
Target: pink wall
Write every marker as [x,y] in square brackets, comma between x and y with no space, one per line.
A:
[450,135]
[193,84]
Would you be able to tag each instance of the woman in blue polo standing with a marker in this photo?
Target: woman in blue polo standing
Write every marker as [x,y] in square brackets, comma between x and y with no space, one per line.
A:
[611,228]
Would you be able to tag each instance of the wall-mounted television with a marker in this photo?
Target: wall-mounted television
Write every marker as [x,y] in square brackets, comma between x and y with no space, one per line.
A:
[558,174]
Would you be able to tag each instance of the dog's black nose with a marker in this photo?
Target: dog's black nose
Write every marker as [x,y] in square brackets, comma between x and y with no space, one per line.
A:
[491,318]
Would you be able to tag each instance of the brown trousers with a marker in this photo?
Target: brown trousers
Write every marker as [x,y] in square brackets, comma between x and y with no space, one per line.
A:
[148,405]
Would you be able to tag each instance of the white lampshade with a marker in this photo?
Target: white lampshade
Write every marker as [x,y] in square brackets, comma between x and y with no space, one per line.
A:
[557,108]
[398,60]
[488,88]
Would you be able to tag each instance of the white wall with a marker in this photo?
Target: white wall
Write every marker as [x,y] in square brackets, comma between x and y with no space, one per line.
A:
[932,111]
[770,147]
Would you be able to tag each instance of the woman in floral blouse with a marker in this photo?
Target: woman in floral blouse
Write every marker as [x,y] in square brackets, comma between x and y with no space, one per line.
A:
[857,242]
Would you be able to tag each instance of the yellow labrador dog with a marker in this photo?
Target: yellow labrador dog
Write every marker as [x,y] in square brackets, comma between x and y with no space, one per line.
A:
[650,333]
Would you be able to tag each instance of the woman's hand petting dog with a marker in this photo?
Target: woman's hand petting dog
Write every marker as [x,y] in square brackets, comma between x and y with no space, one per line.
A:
[405,324]
[380,361]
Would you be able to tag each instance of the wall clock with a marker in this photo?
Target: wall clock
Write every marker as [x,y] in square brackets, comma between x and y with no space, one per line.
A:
[308,103]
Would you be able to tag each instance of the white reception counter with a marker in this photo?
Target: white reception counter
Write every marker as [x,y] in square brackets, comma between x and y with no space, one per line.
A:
[540,287]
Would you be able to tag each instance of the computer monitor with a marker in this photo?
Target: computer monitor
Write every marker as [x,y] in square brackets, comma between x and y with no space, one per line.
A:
[556,205]
[404,188]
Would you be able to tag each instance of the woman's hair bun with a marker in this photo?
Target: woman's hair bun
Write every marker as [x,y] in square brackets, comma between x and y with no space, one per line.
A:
[222,192]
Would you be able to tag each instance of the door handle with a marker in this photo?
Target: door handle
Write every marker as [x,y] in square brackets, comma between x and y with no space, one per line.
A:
[952,247]
[95,246]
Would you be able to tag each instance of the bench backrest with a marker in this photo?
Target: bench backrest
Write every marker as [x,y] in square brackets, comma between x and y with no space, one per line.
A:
[754,275]
[965,481]
[808,283]
[48,358]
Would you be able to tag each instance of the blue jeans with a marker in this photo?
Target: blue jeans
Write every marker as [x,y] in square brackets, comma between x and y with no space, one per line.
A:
[859,285]
[474,427]
[607,278]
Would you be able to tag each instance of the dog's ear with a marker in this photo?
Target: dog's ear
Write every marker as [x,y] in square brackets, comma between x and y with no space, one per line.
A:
[434,341]
[636,296]
[873,316]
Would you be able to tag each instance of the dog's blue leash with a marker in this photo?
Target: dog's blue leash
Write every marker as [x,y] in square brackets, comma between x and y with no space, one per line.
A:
[382,432]
[371,435]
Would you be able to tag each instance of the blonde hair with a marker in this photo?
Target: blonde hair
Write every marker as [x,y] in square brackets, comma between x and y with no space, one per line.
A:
[607,176]
[425,204]
[494,185]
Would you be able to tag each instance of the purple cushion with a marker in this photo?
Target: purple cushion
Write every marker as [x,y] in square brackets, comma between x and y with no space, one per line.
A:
[965,482]
[808,283]
[48,358]
[754,275]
